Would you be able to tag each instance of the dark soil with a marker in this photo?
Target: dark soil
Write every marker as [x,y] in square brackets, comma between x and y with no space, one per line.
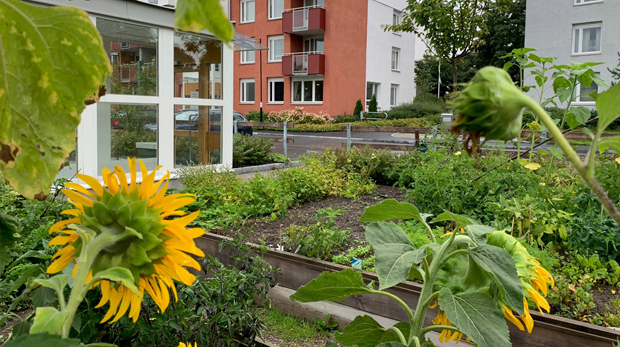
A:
[303,215]
[605,296]
[5,330]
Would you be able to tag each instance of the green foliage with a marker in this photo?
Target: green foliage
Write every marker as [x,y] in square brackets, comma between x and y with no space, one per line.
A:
[365,253]
[372,106]
[47,90]
[198,15]
[253,116]
[318,240]
[359,107]
[364,331]
[43,340]
[291,329]
[427,74]
[250,150]
[278,158]
[418,109]
[326,324]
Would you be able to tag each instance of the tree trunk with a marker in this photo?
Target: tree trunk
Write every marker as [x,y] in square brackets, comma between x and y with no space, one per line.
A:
[454,77]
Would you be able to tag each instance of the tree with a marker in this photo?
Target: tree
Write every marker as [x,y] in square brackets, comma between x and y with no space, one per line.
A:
[358,108]
[372,106]
[427,74]
[505,32]
[452,29]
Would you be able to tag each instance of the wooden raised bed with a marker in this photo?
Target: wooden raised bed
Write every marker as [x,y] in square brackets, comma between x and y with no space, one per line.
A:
[296,271]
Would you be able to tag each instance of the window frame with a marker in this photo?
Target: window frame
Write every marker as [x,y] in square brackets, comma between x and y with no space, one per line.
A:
[243,11]
[375,88]
[270,87]
[312,81]
[580,28]
[271,9]
[243,91]
[243,56]
[586,2]
[271,40]
[578,93]
[395,63]
[394,95]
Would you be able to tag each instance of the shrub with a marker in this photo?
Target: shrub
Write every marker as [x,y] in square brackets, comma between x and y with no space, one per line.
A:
[318,240]
[417,109]
[250,150]
[253,116]
[359,107]
[299,116]
[372,106]
[345,118]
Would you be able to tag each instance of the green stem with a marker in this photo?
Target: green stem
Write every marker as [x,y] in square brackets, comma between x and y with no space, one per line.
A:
[592,154]
[430,231]
[400,335]
[439,327]
[398,300]
[561,141]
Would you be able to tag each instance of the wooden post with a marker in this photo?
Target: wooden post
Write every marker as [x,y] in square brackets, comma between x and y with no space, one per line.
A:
[417,138]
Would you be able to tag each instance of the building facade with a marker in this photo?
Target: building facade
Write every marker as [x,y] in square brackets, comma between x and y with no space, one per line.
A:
[322,55]
[576,31]
[168,101]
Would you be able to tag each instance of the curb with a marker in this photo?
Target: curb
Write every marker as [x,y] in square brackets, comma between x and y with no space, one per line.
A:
[266,167]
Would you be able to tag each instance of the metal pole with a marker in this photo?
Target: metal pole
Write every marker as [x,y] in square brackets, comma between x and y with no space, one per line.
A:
[543,137]
[349,137]
[235,127]
[439,79]
[361,115]
[260,59]
[284,149]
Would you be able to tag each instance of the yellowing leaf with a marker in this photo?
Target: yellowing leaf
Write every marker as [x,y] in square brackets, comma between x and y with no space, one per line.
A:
[618,160]
[196,15]
[532,166]
[52,63]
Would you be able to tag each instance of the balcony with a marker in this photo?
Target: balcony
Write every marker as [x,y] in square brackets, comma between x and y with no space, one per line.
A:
[304,63]
[309,20]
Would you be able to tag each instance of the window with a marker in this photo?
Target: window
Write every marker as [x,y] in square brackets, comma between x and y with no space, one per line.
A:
[276,7]
[247,11]
[371,89]
[187,132]
[583,2]
[133,52]
[314,3]
[197,67]
[584,92]
[396,17]
[587,38]
[314,45]
[276,90]
[247,91]
[248,57]
[276,48]
[307,91]
[395,59]
[394,95]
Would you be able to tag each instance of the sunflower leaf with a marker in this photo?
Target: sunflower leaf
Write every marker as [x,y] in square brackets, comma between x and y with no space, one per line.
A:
[608,107]
[119,275]
[364,331]
[53,63]
[391,209]
[57,283]
[43,340]
[196,15]
[332,286]
[477,316]
[48,320]
[461,221]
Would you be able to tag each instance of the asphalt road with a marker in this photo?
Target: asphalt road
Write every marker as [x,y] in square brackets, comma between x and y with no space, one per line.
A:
[314,142]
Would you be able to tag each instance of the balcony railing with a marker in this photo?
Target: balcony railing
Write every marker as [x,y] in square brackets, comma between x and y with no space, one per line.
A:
[303,63]
[303,19]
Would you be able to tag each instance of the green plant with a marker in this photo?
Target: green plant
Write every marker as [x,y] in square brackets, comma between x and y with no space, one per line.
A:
[364,253]
[318,240]
[417,109]
[253,116]
[359,108]
[298,332]
[326,325]
[456,275]
[278,158]
[372,105]
[250,150]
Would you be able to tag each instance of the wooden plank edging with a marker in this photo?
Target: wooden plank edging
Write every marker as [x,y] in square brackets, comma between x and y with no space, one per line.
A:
[296,271]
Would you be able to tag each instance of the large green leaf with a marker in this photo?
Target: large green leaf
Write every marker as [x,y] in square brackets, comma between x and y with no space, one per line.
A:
[196,15]
[392,209]
[8,235]
[48,320]
[57,283]
[364,331]
[479,232]
[608,107]
[477,316]
[391,344]
[461,221]
[43,340]
[610,142]
[578,116]
[52,63]
[120,275]
[394,253]
[332,286]
[500,265]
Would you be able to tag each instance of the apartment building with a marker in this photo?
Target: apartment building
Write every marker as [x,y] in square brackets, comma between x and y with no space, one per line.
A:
[323,55]
[576,30]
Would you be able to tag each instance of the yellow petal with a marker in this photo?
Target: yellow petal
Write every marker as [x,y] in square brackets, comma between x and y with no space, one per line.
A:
[125,301]
[178,203]
[526,317]
[115,299]
[81,190]
[133,173]
[105,293]
[155,188]
[93,183]
[61,225]
[71,212]
[512,319]
[62,240]
[110,181]
[122,177]
[77,197]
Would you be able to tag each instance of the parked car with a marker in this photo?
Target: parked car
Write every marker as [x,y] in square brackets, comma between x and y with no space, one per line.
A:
[188,120]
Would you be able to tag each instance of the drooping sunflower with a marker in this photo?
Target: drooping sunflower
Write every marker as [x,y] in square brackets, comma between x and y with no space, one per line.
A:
[158,253]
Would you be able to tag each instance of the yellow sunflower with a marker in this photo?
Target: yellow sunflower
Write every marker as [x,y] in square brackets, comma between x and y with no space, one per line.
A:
[181,344]
[158,250]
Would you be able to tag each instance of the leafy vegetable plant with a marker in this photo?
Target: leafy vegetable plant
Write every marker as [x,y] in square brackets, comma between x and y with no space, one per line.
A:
[477,276]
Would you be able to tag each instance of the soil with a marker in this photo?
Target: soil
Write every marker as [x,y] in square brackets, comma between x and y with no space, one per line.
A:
[5,330]
[271,232]
[275,340]
[605,296]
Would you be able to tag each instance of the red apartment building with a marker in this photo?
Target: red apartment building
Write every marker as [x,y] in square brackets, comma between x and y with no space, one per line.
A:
[322,55]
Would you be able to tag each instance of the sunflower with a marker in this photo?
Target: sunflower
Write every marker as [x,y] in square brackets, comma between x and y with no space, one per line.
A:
[446,335]
[181,344]
[158,250]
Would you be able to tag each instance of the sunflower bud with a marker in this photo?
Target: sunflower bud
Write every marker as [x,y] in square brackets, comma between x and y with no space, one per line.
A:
[491,106]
